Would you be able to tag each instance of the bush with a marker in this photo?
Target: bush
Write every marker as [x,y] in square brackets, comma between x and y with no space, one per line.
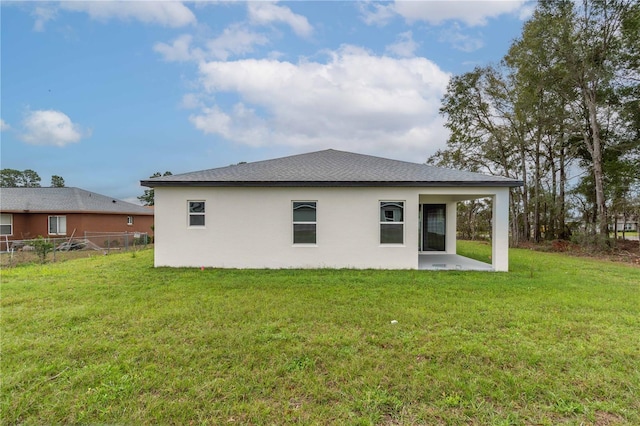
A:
[42,247]
[592,241]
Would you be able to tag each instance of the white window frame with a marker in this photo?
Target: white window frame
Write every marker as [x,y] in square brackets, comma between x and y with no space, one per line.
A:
[61,225]
[191,214]
[3,216]
[294,222]
[391,222]
[129,220]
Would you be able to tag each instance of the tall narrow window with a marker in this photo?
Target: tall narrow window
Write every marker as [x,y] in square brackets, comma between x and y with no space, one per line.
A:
[6,224]
[392,222]
[57,225]
[304,222]
[196,213]
[129,220]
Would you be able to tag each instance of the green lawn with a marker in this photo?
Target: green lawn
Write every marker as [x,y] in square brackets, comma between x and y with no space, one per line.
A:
[110,339]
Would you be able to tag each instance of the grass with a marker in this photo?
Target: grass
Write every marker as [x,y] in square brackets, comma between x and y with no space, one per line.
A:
[110,339]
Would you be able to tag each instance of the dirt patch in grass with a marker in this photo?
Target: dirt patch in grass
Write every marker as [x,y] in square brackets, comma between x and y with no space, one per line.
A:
[624,251]
[604,418]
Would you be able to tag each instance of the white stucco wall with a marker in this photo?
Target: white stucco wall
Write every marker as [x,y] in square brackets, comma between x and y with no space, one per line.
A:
[252,227]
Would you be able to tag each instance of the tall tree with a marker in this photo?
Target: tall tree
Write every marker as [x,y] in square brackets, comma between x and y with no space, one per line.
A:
[12,178]
[486,133]
[538,77]
[590,46]
[568,90]
[57,181]
[147,198]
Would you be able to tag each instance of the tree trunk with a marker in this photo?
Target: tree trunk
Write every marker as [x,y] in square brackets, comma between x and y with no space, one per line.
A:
[563,178]
[553,216]
[536,192]
[526,231]
[595,149]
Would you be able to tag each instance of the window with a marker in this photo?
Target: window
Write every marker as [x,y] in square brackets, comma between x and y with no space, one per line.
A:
[196,213]
[129,220]
[392,222]
[304,222]
[6,224]
[57,225]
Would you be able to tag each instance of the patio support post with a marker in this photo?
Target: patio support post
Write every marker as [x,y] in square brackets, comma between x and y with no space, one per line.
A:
[500,231]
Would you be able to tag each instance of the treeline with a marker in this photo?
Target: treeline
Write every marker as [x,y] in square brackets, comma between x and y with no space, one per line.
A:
[12,178]
[561,112]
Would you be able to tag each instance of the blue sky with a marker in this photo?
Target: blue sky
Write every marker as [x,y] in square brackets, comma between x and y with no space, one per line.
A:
[106,93]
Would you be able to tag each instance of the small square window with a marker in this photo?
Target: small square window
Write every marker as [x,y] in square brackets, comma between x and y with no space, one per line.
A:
[129,220]
[57,225]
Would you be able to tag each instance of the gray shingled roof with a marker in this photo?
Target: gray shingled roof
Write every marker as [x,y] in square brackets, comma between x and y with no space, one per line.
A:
[59,200]
[330,168]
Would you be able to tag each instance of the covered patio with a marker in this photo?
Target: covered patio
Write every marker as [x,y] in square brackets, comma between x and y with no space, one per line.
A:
[450,262]
[437,229]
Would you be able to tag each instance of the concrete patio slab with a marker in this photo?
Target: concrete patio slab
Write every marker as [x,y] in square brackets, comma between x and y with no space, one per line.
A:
[443,261]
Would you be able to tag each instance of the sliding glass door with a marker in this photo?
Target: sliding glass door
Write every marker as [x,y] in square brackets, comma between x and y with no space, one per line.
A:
[433,227]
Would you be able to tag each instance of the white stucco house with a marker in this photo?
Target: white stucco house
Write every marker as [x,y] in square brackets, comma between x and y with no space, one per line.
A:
[325,209]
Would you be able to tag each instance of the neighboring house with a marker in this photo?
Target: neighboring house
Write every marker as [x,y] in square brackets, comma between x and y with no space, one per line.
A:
[62,212]
[628,224]
[326,209]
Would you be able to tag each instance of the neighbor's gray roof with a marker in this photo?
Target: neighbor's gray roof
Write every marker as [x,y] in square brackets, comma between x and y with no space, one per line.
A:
[330,168]
[64,200]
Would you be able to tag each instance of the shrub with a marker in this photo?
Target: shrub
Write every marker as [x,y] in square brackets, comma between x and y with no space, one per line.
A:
[42,247]
[592,241]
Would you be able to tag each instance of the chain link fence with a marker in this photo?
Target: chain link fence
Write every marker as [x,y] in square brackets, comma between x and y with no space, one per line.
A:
[15,252]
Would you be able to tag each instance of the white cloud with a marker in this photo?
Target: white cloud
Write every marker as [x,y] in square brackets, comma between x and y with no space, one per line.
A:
[471,12]
[241,125]
[374,13]
[179,50]
[235,39]
[42,15]
[191,101]
[353,101]
[404,47]
[4,125]
[459,40]
[50,127]
[527,11]
[212,120]
[262,12]
[167,13]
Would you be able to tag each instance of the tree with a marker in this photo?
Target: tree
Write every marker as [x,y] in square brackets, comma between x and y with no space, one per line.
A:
[567,93]
[57,181]
[147,198]
[12,178]
[487,135]
[590,45]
